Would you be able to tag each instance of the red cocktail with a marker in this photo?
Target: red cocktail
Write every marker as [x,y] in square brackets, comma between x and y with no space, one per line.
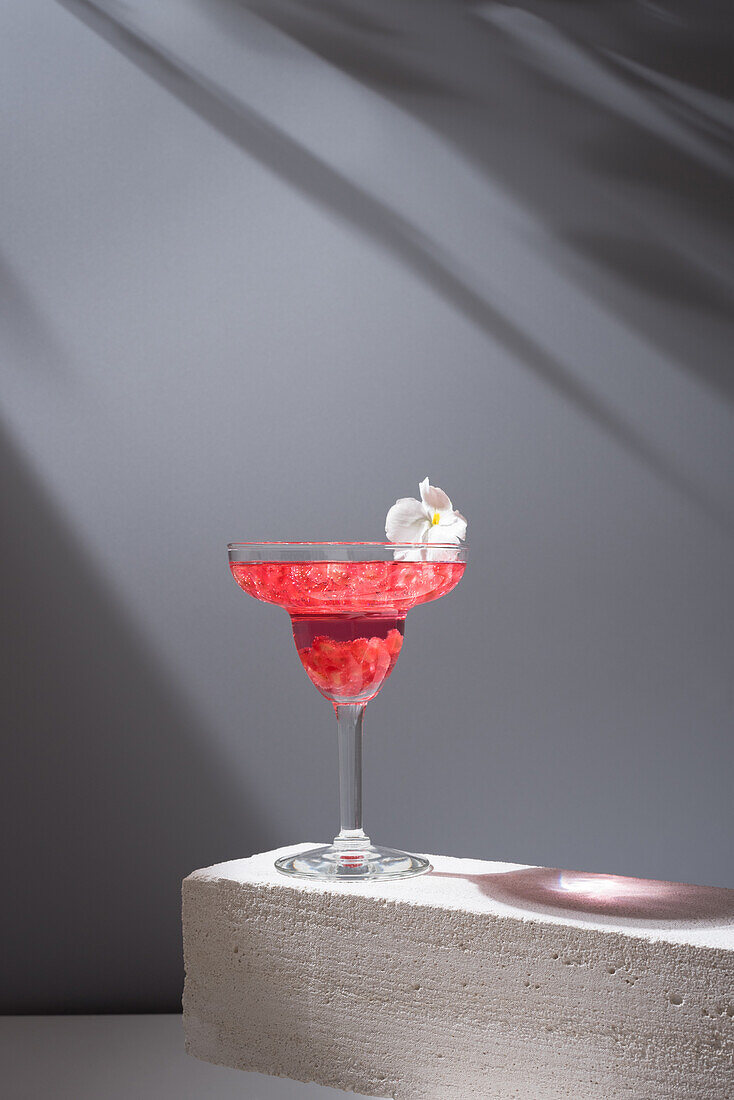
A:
[348,616]
[347,603]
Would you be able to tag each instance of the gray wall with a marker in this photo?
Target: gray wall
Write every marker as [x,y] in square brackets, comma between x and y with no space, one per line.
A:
[264,266]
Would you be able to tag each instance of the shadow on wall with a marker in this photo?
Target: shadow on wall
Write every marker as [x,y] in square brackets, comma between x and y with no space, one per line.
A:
[565,105]
[447,55]
[451,45]
[25,328]
[107,780]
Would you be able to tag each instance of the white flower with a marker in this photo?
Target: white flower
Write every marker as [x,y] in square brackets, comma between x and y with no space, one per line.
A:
[431,519]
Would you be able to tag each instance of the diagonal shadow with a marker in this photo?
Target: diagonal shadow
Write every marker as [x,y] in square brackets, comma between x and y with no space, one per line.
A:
[111,792]
[556,139]
[384,228]
[646,265]
[697,38]
[26,331]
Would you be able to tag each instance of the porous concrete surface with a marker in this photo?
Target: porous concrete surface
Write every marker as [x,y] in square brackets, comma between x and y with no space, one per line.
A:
[481,979]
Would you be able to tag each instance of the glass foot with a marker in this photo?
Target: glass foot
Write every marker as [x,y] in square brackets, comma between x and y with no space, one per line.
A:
[336,862]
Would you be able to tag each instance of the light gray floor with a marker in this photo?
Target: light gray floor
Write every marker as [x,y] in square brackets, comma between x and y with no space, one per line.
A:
[123,1058]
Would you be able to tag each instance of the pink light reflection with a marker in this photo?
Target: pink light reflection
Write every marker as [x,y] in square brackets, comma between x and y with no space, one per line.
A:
[614,895]
[548,889]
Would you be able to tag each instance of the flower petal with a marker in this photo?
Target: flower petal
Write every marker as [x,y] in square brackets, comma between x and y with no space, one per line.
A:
[434,499]
[416,553]
[453,523]
[442,532]
[407,521]
[441,553]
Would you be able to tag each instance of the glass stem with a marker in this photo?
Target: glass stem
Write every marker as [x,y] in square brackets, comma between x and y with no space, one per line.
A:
[349,717]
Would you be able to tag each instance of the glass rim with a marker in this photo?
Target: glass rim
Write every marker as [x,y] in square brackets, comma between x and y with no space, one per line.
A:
[384,545]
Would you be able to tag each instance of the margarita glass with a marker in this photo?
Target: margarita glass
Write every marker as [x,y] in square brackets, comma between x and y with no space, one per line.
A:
[347,602]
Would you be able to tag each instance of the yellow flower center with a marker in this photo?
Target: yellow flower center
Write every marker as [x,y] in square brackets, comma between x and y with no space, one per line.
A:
[435,519]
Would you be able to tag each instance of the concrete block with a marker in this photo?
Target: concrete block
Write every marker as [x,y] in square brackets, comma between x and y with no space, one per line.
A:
[481,979]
